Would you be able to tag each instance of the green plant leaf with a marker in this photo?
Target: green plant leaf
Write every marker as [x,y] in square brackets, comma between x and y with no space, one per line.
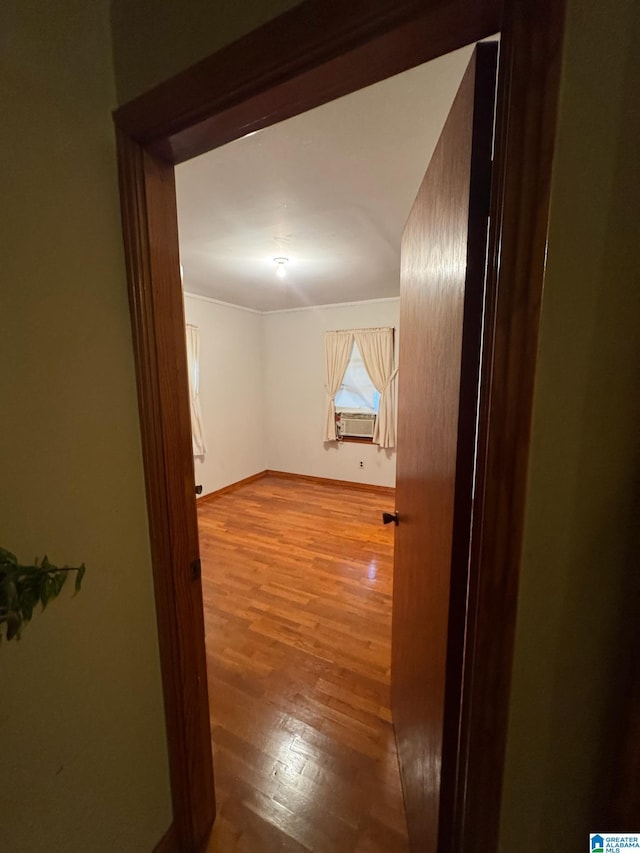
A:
[22,587]
[7,557]
[28,600]
[13,626]
[9,593]
[44,590]
[79,575]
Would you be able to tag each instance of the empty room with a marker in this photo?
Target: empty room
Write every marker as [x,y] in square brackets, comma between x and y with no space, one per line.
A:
[291,251]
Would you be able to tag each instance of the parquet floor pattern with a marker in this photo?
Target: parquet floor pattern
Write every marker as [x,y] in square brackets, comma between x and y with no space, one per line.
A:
[296,580]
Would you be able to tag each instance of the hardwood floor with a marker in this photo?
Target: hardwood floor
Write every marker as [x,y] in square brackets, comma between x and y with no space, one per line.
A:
[296,580]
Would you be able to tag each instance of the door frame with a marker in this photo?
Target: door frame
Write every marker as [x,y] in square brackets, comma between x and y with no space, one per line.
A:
[318,51]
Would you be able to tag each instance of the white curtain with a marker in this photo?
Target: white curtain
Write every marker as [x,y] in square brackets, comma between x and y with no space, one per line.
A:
[193,361]
[337,350]
[376,348]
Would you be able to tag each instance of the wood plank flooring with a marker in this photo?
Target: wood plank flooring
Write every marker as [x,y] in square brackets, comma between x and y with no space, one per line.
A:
[296,580]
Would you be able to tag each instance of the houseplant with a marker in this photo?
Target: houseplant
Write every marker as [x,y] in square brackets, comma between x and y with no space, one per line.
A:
[22,588]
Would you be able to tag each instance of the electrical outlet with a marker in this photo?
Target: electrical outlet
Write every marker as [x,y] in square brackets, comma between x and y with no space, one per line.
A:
[361,464]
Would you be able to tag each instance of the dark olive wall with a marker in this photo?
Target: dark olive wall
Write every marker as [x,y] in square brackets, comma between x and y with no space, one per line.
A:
[577,601]
[83,763]
[155,39]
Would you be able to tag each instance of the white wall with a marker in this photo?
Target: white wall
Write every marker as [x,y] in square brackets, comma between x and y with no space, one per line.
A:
[294,381]
[255,370]
[231,391]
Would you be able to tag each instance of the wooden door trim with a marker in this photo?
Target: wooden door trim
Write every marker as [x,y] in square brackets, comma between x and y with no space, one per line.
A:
[147,193]
[454,762]
[526,116]
[317,51]
[169,841]
[320,50]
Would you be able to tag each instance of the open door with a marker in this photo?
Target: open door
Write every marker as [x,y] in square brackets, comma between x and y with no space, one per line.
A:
[441,314]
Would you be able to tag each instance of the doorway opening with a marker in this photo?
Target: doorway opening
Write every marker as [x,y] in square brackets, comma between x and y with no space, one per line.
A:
[296,569]
[276,72]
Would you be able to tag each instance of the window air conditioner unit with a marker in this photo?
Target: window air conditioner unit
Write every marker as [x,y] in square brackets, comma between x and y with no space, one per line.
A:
[354,425]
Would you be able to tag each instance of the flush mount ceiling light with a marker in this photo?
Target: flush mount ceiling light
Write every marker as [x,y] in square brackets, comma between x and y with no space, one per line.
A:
[281,266]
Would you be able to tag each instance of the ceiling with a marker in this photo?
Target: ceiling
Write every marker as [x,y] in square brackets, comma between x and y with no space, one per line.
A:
[329,189]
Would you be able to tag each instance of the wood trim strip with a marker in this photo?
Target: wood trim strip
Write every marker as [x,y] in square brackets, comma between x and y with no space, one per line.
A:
[315,52]
[328,481]
[231,487]
[321,481]
[472,378]
[151,247]
[528,88]
[137,254]
[169,841]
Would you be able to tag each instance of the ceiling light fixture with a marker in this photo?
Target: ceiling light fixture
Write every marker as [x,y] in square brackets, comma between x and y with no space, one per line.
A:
[281,266]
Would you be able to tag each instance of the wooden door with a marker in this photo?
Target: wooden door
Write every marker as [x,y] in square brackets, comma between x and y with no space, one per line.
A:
[441,307]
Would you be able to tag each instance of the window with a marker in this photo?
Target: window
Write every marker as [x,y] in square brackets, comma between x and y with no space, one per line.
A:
[357,392]
[358,364]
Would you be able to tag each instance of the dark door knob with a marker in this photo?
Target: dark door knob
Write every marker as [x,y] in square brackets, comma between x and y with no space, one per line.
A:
[388,517]
[198,490]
